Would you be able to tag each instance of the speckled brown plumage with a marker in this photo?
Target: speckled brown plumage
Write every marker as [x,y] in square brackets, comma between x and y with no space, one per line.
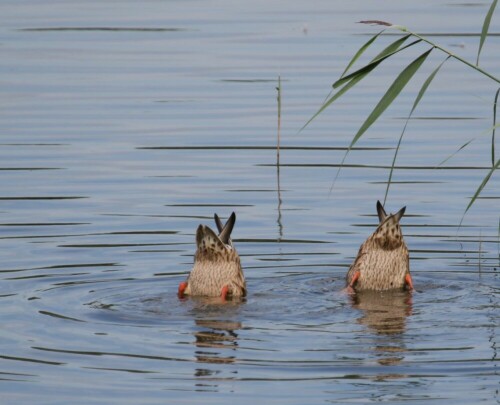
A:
[216,263]
[383,261]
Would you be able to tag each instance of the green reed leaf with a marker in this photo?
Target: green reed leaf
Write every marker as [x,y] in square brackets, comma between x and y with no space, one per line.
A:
[387,52]
[494,127]
[482,185]
[454,153]
[498,240]
[486,27]
[344,89]
[426,84]
[355,77]
[396,87]
[360,52]
[415,103]
[465,145]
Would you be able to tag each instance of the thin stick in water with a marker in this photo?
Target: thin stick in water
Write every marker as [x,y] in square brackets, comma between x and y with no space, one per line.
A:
[280,225]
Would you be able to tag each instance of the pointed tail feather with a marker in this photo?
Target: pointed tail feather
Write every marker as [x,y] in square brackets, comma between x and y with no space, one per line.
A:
[225,234]
[381,212]
[400,214]
[218,222]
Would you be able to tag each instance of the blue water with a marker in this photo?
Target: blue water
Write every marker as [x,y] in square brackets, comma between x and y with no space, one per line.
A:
[124,125]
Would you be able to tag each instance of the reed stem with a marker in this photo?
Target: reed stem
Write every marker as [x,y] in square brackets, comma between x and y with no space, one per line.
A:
[466,62]
[280,224]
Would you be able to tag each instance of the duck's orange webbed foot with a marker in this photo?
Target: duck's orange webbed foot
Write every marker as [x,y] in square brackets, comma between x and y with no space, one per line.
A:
[354,279]
[350,287]
[182,288]
[409,281]
[224,293]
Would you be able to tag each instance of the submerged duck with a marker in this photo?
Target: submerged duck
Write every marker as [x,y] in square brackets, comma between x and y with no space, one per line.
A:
[217,269]
[383,261]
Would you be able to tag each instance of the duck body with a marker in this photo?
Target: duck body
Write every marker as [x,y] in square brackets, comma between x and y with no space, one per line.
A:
[383,261]
[217,268]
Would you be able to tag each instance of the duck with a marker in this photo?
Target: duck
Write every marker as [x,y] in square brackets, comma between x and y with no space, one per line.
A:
[217,270]
[383,261]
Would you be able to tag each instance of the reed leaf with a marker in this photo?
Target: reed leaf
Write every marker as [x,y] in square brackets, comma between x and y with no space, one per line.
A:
[498,240]
[482,185]
[435,45]
[344,89]
[396,87]
[426,84]
[454,153]
[360,52]
[390,50]
[465,145]
[494,127]
[486,27]
[415,103]
[357,76]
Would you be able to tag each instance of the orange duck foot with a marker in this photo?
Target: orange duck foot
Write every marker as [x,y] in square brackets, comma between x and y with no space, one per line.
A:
[409,281]
[224,292]
[182,288]
[354,279]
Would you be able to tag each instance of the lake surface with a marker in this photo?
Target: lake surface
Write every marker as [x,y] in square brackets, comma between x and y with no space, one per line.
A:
[124,125]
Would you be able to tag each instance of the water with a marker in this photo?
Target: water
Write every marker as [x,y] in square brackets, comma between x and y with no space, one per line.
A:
[124,126]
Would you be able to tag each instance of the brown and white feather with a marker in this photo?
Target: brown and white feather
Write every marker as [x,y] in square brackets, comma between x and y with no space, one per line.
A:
[383,259]
[215,265]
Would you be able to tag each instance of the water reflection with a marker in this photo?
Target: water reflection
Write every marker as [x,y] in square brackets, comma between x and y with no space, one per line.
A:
[214,342]
[218,335]
[216,339]
[385,313]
